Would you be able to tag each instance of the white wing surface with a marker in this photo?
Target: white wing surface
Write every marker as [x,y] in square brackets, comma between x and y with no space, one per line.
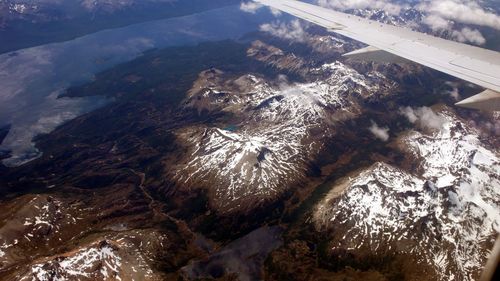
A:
[473,64]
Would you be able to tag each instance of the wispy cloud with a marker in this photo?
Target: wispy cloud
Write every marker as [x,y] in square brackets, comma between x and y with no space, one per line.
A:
[381,133]
[293,30]
[250,7]
[439,15]
[462,11]
[453,93]
[469,35]
[423,116]
[437,23]
[438,11]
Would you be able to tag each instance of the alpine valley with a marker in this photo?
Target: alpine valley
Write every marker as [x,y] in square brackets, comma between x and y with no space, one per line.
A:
[269,157]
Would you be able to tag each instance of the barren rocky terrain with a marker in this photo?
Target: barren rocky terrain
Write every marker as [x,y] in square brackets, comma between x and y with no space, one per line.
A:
[261,158]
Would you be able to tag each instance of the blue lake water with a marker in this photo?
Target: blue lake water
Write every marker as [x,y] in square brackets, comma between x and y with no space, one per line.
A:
[32,79]
[231,128]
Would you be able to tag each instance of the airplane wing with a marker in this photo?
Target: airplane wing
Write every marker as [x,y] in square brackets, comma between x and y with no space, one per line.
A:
[393,44]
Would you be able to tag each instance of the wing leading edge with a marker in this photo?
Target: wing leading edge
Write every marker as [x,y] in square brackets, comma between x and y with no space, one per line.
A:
[395,44]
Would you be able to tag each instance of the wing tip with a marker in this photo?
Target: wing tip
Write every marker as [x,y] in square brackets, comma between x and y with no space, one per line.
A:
[487,100]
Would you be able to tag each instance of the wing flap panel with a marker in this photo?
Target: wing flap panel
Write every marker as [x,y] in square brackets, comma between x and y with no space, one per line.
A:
[375,55]
[477,66]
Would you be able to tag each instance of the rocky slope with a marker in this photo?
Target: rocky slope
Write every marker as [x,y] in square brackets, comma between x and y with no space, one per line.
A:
[443,214]
[121,258]
[273,130]
[171,180]
[52,238]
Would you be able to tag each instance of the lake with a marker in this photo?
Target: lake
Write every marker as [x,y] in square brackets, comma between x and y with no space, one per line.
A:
[32,79]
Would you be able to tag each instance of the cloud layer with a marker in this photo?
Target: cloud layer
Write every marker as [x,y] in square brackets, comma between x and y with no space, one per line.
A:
[462,11]
[438,11]
[439,15]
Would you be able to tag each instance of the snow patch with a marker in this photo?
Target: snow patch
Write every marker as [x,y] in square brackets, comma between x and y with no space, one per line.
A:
[270,148]
[447,217]
[80,265]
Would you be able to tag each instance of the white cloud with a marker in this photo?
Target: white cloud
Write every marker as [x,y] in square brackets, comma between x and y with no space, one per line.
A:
[440,15]
[384,5]
[409,113]
[436,22]
[424,116]
[453,92]
[438,12]
[379,132]
[250,7]
[463,11]
[469,35]
[292,31]
[275,12]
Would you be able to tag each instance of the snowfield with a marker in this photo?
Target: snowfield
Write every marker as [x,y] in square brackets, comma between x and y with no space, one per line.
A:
[447,216]
[269,146]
